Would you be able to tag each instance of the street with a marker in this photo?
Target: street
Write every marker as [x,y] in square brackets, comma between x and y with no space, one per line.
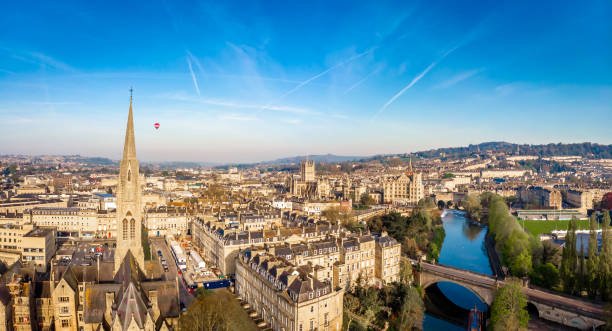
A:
[172,273]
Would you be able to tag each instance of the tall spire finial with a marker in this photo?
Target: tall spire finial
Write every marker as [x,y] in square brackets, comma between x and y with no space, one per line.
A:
[129,147]
[411,163]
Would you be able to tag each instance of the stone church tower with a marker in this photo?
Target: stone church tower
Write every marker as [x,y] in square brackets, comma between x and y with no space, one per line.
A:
[129,210]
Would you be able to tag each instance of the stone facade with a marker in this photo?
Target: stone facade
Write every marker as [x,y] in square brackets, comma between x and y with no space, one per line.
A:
[129,206]
[542,197]
[388,256]
[405,188]
[285,296]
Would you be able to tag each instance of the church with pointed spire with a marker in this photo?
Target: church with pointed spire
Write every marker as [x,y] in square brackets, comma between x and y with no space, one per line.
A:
[129,207]
[117,295]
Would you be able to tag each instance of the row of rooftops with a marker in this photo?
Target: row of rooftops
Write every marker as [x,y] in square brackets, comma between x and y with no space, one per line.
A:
[232,237]
[295,283]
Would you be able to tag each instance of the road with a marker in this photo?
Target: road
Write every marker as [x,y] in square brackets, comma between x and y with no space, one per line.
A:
[172,273]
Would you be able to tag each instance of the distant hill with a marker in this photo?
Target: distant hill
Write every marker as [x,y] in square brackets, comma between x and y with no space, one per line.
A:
[326,158]
[587,150]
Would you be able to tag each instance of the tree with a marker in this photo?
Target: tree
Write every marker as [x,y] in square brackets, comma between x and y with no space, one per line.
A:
[605,258]
[581,272]
[146,246]
[367,200]
[569,259]
[592,274]
[545,275]
[516,253]
[204,314]
[410,314]
[339,215]
[406,274]
[550,253]
[509,310]
[472,206]
[351,305]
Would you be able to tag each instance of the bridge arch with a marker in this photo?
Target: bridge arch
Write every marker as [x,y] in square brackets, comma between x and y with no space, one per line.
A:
[483,296]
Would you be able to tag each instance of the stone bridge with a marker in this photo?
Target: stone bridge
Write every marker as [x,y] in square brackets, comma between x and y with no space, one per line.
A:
[566,310]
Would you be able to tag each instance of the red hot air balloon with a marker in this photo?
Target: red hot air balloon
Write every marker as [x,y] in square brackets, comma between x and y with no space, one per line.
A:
[156,126]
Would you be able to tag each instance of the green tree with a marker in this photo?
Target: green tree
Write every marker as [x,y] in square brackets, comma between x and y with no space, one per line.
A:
[146,246]
[605,258]
[406,274]
[569,259]
[581,272]
[471,204]
[551,253]
[545,275]
[516,253]
[592,274]
[411,312]
[509,309]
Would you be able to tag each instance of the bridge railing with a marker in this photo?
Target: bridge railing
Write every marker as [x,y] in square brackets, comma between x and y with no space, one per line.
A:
[459,269]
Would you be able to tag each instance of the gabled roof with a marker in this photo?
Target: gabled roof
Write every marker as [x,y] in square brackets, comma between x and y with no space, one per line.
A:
[70,279]
[131,306]
[129,271]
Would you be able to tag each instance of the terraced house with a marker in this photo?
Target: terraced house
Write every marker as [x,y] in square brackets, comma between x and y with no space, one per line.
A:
[287,297]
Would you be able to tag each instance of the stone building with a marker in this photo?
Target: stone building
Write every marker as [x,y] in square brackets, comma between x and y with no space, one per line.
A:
[70,222]
[388,257]
[6,316]
[357,262]
[581,199]
[166,221]
[285,296]
[306,185]
[541,196]
[117,295]
[38,247]
[406,188]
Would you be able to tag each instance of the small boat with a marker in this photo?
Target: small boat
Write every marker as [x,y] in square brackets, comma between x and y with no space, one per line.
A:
[476,320]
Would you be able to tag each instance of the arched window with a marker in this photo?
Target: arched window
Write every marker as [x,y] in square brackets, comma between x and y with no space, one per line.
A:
[129,175]
[132,228]
[125,229]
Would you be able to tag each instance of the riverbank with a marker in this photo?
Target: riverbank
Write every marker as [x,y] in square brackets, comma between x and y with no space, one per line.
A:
[494,260]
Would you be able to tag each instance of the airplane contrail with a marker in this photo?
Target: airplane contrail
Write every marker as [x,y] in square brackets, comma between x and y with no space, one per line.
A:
[413,81]
[195,81]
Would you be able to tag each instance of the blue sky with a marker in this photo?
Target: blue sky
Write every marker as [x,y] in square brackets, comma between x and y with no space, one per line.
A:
[249,81]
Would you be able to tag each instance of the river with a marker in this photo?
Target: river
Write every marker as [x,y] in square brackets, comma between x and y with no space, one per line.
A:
[464,248]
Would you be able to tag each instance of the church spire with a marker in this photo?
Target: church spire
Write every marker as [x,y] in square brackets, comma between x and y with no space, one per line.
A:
[410,164]
[129,148]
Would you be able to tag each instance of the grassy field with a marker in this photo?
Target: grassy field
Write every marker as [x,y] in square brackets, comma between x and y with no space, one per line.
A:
[537,227]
